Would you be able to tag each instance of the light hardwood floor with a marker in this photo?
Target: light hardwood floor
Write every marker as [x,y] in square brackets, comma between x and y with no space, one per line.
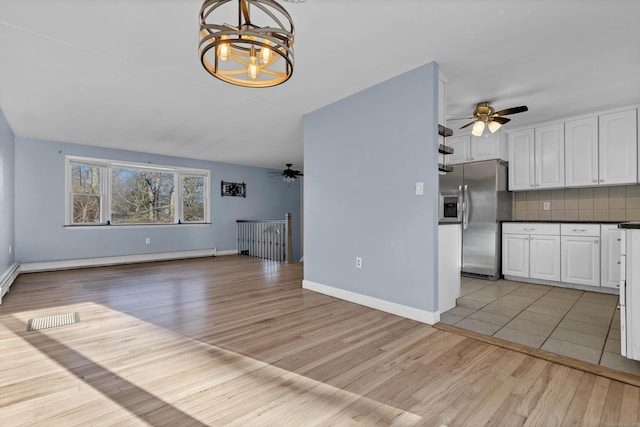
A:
[237,341]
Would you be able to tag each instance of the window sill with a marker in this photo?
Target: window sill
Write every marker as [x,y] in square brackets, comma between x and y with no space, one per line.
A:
[127,226]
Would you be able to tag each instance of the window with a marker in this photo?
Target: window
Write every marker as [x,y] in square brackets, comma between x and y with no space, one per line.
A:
[193,197]
[86,193]
[104,192]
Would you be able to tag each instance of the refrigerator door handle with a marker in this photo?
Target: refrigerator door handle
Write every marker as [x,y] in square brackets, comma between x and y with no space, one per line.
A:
[465,208]
[460,203]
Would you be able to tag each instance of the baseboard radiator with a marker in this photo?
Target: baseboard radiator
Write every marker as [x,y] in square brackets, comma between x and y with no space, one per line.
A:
[7,278]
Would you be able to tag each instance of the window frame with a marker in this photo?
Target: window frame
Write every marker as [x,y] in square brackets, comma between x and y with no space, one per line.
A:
[106,179]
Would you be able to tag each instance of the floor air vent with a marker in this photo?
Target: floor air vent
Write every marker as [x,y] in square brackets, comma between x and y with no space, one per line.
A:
[52,321]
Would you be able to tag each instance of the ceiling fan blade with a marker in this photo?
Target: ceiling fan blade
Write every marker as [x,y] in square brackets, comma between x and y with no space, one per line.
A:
[513,110]
[468,124]
[461,118]
[501,120]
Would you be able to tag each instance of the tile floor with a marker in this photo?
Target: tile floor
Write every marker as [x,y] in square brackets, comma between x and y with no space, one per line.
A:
[579,324]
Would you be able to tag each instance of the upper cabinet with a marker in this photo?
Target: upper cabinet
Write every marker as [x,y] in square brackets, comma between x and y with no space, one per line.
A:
[618,148]
[585,152]
[521,160]
[581,152]
[469,148]
[549,153]
[461,149]
[536,158]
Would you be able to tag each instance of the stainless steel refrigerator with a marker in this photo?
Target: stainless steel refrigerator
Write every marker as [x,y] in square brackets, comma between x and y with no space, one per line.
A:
[475,195]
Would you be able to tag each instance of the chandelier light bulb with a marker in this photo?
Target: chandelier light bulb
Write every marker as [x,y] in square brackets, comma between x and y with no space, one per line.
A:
[478,128]
[253,70]
[224,50]
[266,54]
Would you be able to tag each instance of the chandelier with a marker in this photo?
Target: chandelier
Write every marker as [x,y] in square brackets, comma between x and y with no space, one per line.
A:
[255,51]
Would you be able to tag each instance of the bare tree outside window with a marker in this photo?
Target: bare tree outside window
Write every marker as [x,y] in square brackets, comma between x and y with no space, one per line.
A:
[85,193]
[141,196]
[100,191]
[193,197]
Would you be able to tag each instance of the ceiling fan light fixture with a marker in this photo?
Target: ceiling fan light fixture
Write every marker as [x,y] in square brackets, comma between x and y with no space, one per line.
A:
[478,128]
[257,52]
[494,126]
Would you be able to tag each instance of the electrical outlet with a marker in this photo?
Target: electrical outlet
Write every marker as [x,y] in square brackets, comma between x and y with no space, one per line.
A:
[546,206]
[358,262]
[147,240]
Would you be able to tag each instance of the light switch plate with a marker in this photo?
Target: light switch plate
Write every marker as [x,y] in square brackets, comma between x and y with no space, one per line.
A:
[419,188]
[546,206]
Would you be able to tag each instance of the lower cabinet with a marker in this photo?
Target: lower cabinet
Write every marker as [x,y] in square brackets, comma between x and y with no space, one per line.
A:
[580,259]
[531,250]
[578,254]
[544,257]
[610,256]
[515,255]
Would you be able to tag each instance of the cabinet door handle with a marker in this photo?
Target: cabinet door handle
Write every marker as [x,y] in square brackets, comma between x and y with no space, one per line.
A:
[618,263]
[601,180]
[596,241]
[619,240]
[595,180]
[579,230]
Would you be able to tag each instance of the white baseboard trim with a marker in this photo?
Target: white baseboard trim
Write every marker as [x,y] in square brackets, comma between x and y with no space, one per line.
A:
[229,252]
[29,267]
[7,278]
[412,313]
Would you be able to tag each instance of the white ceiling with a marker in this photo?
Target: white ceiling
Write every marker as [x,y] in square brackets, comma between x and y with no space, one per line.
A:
[126,73]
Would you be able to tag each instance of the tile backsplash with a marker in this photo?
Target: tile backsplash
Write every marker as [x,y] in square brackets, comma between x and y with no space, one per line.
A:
[579,204]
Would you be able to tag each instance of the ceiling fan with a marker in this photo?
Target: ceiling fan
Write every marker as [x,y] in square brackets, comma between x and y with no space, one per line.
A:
[484,114]
[289,175]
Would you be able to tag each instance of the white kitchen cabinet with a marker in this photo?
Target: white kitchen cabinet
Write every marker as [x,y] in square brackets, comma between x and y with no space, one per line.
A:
[449,264]
[461,149]
[544,257]
[549,156]
[581,152]
[580,258]
[618,148]
[536,158]
[521,160]
[469,148]
[515,255]
[531,250]
[489,146]
[610,255]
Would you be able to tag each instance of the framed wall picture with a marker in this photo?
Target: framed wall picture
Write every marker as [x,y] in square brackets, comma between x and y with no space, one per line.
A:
[233,189]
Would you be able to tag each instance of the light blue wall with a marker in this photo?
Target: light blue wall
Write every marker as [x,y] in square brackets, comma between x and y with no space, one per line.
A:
[7,144]
[363,156]
[40,210]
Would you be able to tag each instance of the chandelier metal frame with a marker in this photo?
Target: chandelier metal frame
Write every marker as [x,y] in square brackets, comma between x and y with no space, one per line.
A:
[248,54]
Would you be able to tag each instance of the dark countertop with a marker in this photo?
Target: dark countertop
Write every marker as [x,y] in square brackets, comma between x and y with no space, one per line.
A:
[630,225]
[568,222]
[449,223]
